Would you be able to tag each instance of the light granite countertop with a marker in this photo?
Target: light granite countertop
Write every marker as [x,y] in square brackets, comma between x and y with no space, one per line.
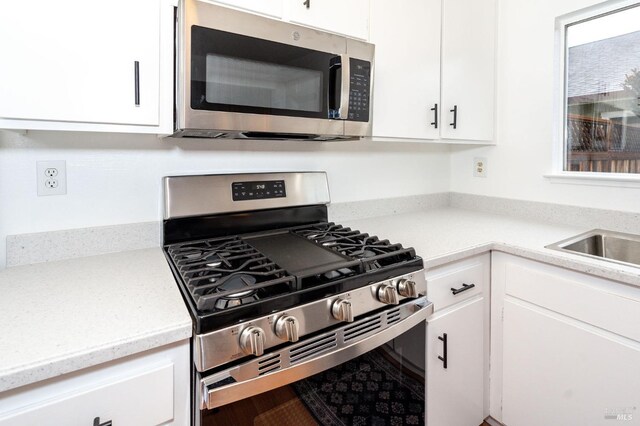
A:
[63,316]
[66,315]
[447,234]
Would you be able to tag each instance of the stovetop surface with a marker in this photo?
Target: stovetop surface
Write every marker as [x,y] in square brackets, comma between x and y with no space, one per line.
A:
[231,279]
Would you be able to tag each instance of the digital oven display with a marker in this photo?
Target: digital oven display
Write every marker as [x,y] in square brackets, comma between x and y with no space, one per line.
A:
[258,190]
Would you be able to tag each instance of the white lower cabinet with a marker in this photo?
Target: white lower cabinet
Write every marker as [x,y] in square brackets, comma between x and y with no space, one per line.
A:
[565,346]
[455,390]
[458,335]
[558,371]
[141,390]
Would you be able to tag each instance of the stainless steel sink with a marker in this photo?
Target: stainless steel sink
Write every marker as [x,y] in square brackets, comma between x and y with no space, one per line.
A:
[600,244]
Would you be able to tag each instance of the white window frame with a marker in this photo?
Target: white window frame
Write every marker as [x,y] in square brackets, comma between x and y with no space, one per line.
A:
[559,175]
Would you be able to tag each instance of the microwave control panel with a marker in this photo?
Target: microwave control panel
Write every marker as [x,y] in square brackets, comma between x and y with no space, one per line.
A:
[258,190]
[360,85]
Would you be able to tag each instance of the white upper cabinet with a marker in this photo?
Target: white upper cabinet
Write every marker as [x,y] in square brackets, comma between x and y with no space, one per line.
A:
[74,61]
[350,17]
[434,57]
[468,69]
[265,7]
[406,90]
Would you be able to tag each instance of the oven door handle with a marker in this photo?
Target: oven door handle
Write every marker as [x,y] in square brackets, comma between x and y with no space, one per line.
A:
[280,368]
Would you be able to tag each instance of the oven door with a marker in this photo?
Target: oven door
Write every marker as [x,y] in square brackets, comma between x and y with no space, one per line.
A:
[371,371]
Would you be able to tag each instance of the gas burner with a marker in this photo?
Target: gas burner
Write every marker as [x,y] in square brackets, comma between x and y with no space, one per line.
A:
[373,252]
[242,294]
[237,283]
[223,273]
[366,253]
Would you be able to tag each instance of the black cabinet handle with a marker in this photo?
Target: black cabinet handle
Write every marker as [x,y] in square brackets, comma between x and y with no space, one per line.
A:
[455,116]
[136,78]
[464,287]
[307,3]
[96,422]
[434,123]
[443,358]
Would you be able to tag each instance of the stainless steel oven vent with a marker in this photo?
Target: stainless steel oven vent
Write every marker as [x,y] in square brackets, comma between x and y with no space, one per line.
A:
[313,348]
[393,316]
[362,329]
[268,364]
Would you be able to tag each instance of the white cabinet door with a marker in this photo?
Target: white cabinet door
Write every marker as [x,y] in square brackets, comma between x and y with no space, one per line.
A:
[558,371]
[73,61]
[350,18]
[406,88]
[265,7]
[455,394]
[468,69]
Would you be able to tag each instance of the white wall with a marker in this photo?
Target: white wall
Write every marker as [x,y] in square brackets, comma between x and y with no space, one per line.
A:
[523,153]
[115,178]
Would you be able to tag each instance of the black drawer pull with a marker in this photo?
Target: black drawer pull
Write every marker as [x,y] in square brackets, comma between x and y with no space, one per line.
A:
[443,358]
[464,287]
[96,422]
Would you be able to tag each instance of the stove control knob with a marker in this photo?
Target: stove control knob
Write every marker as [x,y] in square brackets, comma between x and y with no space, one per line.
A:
[287,328]
[407,288]
[342,311]
[252,341]
[388,294]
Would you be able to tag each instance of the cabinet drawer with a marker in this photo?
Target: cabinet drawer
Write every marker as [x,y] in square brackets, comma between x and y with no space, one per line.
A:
[470,272]
[140,398]
[605,304]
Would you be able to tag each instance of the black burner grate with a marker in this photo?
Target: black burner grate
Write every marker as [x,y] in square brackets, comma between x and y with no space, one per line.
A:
[223,273]
[373,252]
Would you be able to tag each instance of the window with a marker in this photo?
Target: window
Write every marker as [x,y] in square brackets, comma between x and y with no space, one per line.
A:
[602,92]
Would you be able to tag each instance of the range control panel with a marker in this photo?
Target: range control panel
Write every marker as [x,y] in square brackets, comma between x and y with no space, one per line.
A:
[258,190]
[360,84]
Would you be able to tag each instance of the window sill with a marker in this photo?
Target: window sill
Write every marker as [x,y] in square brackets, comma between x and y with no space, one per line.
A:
[621,180]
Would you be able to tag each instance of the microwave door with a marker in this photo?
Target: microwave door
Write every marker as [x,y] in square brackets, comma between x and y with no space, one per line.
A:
[242,74]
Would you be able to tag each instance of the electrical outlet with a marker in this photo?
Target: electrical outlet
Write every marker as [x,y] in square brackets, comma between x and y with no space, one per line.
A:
[480,167]
[51,177]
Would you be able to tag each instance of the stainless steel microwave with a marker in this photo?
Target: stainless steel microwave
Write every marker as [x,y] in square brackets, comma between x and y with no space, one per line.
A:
[241,75]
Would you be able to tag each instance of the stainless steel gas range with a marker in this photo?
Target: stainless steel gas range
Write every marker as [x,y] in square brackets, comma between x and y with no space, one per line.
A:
[297,320]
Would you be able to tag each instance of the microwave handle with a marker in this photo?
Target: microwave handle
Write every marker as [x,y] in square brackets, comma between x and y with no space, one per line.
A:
[341,112]
[345,90]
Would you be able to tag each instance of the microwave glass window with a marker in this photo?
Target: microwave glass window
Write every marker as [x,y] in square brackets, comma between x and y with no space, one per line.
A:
[239,81]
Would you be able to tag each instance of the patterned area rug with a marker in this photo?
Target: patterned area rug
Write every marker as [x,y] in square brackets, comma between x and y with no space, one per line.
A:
[368,390]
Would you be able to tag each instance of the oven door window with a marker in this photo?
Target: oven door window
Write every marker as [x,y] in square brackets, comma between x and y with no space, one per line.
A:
[385,386]
[236,73]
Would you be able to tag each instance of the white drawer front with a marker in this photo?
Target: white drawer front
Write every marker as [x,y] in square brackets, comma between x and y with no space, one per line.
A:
[607,305]
[442,280]
[142,399]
